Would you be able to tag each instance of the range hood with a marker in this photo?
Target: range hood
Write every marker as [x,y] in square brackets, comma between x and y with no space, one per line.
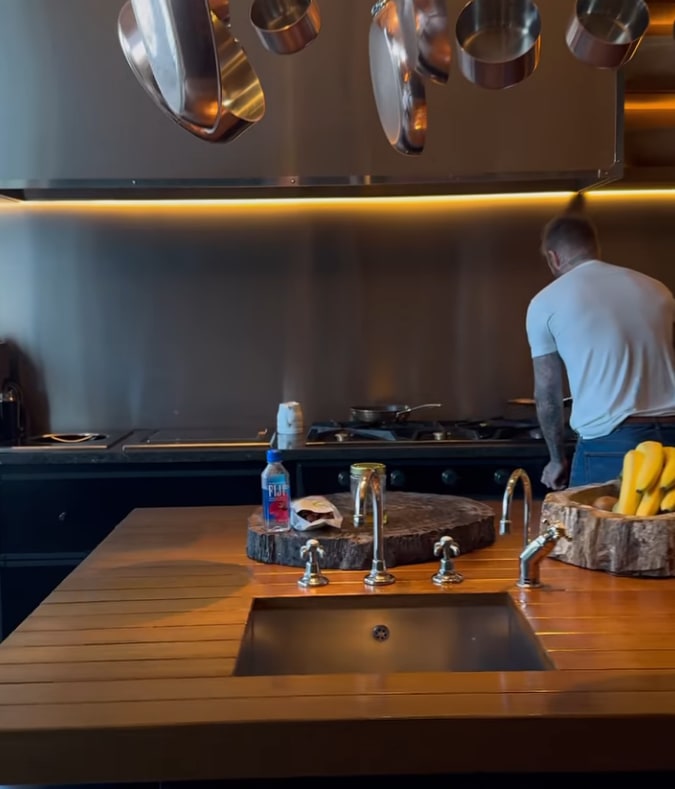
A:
[75,123]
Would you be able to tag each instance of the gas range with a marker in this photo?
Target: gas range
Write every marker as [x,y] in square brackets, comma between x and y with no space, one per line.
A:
[424,432]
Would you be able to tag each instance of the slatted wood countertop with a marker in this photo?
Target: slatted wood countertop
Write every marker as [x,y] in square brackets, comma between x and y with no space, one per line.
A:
[124,672]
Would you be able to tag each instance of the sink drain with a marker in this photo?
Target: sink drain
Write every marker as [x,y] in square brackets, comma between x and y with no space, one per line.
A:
[380,632]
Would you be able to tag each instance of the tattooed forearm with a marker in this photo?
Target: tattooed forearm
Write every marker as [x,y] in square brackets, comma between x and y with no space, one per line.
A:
[548,394]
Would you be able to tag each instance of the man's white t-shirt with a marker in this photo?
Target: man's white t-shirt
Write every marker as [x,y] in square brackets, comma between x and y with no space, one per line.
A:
[613,329]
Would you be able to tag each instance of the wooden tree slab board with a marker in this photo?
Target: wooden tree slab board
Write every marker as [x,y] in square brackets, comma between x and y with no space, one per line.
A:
[415,522]
[602,540]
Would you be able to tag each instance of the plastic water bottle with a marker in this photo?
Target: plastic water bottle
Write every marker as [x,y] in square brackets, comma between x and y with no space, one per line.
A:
[276,493]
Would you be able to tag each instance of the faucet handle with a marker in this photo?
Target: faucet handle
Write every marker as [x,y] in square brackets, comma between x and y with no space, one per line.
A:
[312,551]
[555,531]
[447,548]
[312,548]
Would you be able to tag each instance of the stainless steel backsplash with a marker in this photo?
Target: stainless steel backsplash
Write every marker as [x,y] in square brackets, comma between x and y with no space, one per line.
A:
[195,316]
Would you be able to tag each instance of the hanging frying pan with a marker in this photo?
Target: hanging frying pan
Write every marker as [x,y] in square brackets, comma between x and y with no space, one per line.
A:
[178,42]
[241,101]
[427,33]
[398,88]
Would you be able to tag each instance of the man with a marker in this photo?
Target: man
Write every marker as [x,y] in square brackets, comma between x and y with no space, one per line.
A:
[610,329]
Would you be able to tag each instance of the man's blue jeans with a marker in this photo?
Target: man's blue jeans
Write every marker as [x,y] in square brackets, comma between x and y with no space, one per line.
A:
[600,459]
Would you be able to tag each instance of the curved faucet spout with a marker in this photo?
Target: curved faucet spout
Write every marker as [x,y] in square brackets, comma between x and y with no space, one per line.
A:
[505,521]
[378,575]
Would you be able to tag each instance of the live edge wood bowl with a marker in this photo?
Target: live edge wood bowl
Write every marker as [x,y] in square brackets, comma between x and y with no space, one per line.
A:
[603,540]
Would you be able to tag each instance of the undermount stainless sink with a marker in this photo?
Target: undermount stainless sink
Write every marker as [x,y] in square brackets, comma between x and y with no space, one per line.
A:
[382,634]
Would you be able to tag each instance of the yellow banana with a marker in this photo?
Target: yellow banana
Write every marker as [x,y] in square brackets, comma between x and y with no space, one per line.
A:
[650,503]
[652,465]
[629,498]
[668,501]
[667,480]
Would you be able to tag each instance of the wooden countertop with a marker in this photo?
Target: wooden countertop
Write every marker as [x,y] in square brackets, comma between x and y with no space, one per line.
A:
[124,672]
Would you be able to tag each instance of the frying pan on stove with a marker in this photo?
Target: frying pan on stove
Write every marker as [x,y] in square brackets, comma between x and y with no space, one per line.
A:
[386,412]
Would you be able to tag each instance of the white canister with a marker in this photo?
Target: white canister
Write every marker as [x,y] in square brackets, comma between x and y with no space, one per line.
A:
[290,418]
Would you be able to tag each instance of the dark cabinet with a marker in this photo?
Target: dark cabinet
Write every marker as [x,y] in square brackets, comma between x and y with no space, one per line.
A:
[25,584]
[60,513]
[52,516]
[473,477]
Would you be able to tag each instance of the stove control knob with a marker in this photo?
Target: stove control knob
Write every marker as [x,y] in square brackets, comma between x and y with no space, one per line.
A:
[343,479]
[397,479]
[501,477]
[450,478]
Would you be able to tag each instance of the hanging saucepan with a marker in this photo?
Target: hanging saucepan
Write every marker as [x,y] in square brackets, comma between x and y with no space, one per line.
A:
[498,41]
[606,33]
[178,42]
[241,101]
[399,92]
[386,412]
[286,26]
[427,32]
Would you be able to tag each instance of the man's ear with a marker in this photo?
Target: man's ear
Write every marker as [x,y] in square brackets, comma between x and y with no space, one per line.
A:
[553,261]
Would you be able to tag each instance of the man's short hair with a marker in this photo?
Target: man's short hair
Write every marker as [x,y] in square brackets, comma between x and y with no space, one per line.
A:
[571,235]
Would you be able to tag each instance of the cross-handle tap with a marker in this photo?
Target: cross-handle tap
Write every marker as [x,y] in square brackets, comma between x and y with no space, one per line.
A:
[313,551]
[538,549]
[447,549]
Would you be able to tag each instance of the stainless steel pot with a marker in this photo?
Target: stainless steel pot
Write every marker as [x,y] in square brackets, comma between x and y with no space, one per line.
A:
[178,42]
[286,26]
[386,412]
[606,33]
[241,101]
[498,41]
[400,96]
[427,34]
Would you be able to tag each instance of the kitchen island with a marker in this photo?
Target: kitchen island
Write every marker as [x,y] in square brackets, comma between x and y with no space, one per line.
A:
[59,502]
[125,672]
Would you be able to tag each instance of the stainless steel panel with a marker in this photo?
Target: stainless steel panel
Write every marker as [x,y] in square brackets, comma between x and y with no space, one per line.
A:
[194,316]
[77,117]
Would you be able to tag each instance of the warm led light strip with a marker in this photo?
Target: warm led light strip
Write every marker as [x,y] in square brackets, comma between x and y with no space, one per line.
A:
[645,102]
[345,203]
[661,17]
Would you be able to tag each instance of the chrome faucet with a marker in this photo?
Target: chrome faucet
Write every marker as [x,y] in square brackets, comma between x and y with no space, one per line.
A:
[505,522]
[535,551]
[540,547]
[378,575]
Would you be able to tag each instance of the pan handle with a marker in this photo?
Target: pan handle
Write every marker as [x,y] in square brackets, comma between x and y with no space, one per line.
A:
[406,411]
[531,401]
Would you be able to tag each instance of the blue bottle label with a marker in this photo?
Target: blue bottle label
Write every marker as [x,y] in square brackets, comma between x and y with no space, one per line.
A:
[276,500]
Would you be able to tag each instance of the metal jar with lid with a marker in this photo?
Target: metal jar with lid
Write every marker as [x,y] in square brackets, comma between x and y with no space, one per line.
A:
[356,473]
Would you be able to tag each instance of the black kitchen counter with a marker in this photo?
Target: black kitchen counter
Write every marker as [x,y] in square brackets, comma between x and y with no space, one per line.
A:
[326,452]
